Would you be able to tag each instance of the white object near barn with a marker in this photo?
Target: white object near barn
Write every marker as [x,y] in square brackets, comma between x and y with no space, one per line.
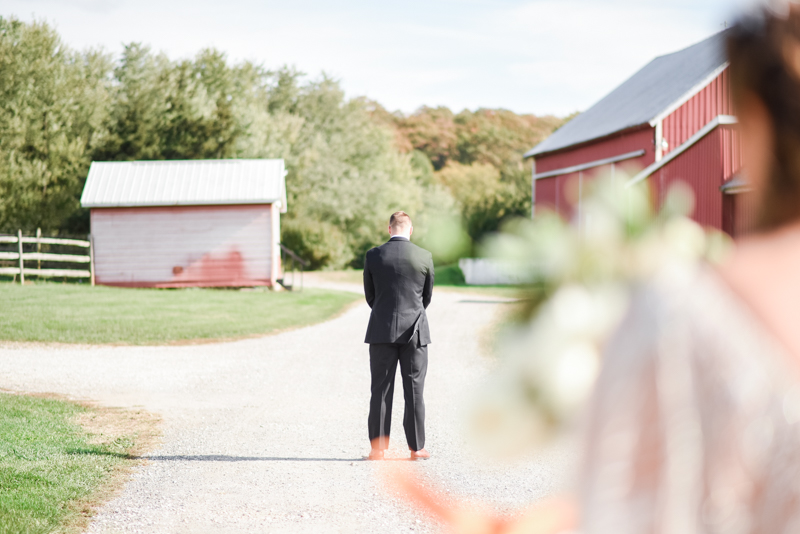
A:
[487,271]
[186,223]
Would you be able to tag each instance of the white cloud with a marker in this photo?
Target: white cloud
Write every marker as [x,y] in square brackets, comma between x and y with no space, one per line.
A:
[530,56]
[96,6]
[586,48]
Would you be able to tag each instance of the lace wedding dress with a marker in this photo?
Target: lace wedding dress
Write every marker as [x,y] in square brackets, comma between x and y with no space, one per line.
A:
[693,427]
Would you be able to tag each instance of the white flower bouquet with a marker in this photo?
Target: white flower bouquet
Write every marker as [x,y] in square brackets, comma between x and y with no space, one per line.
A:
[579,276]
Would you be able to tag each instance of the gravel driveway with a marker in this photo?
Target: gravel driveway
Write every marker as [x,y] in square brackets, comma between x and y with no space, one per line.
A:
[267,434]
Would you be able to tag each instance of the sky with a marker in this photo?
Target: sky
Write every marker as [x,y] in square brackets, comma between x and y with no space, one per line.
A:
[529,56]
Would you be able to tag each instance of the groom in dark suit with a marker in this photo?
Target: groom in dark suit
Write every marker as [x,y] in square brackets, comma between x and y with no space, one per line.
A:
[398,282]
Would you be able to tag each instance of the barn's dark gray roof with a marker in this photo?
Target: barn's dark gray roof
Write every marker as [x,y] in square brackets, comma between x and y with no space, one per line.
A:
[644,96]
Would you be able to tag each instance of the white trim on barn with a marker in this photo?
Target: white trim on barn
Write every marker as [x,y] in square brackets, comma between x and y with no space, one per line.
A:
[705,130]
[688,95]
[736,185]
[590,165]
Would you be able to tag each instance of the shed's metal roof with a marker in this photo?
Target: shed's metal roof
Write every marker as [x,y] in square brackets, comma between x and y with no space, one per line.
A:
[185,183]
[655,89]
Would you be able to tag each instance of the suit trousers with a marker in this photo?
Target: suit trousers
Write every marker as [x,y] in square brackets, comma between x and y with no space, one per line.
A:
[383,359]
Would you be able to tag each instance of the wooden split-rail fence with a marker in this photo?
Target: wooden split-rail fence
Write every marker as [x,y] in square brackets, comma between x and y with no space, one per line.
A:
[29,263]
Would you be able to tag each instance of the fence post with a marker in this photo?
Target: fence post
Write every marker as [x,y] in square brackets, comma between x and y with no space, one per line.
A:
[39,247]
[21,264]
[91,259]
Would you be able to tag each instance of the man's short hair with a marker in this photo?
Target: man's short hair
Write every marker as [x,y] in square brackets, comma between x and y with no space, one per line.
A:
[399,219]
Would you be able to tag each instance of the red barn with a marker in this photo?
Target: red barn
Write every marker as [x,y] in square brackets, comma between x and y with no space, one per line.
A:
[671,121]
[186,223]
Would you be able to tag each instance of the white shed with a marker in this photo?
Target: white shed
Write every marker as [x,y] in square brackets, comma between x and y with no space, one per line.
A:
[186,223]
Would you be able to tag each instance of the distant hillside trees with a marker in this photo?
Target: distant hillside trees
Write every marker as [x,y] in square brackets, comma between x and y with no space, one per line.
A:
[477,156]
[350,162]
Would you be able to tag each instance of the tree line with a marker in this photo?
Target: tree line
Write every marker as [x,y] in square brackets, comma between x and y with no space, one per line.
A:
[350,161]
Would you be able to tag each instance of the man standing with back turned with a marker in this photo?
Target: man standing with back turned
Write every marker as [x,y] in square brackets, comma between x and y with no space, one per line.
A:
[398,282]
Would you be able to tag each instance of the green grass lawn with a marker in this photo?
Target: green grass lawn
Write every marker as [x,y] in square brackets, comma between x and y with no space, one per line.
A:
[72,313]
[50,467]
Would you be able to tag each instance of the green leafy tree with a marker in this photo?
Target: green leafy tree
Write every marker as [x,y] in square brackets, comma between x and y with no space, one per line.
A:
[53,103]
[484,148]
[499,137]
[432,131]
[344,172]
[173,110]
[350,162]
[485,201]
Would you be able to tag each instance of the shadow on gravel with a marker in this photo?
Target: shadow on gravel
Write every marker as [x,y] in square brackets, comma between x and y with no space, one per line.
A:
[226,458]
[515,301]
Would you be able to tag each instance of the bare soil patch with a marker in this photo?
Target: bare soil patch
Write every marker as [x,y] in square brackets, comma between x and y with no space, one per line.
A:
[135,431]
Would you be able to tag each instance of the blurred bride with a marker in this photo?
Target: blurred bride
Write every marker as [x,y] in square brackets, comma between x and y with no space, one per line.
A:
[694,424]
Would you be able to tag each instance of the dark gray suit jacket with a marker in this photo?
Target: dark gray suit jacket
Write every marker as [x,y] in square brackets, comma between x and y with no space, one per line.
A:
[398,283]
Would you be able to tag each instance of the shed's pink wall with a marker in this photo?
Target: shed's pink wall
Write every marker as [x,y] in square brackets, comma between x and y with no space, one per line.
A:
[275,265]
[185,246]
